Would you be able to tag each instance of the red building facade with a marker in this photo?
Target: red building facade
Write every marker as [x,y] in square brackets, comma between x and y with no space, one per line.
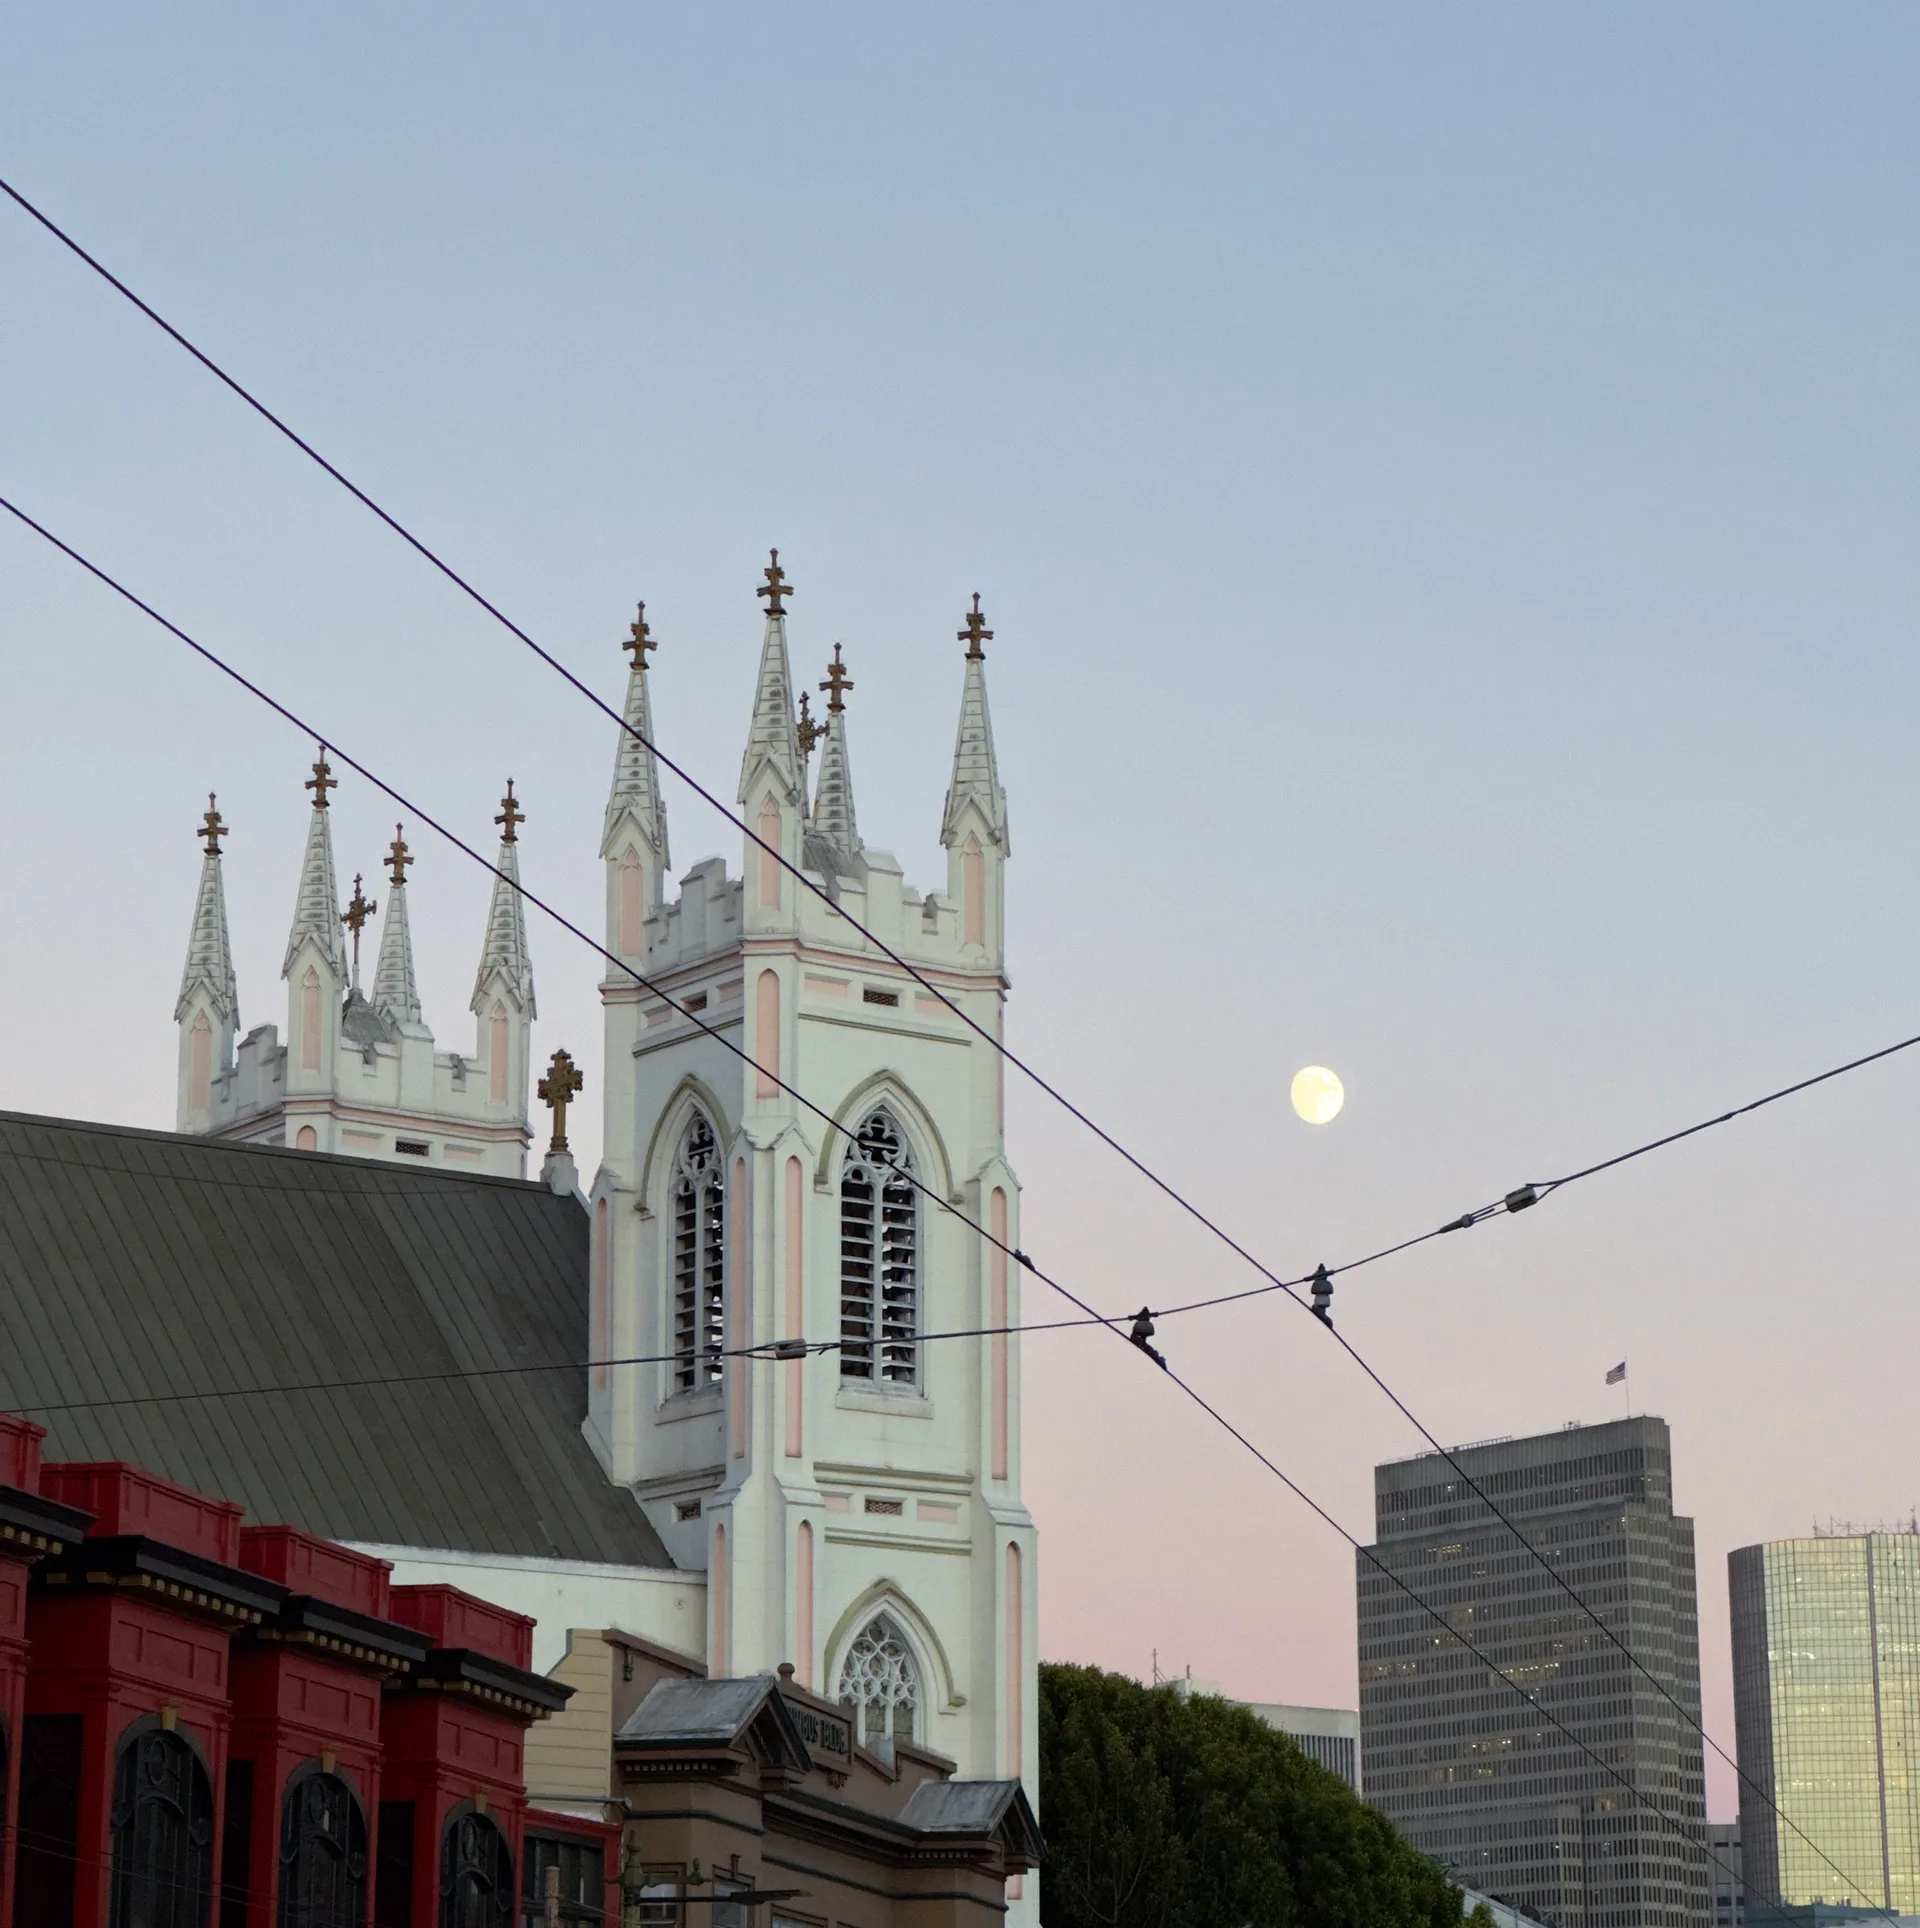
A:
[205,1725]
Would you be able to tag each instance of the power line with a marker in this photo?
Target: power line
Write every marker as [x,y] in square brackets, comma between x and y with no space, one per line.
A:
[1515,1201]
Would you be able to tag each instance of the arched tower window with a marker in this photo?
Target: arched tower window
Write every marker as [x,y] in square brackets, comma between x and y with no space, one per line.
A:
[880,1259]
[323,1854]
[699,1211]
[880,1685]
[476,1872]
[162,1833]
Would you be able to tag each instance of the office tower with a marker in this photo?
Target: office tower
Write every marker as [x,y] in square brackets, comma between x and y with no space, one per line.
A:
[1329,1735]
[1729,1890]
[1462,1763]
[1826,1683]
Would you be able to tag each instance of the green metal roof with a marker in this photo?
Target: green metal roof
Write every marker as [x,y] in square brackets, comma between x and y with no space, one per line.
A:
[137,1266]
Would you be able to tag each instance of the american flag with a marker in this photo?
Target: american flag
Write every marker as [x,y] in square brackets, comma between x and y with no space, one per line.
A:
[1617,1374]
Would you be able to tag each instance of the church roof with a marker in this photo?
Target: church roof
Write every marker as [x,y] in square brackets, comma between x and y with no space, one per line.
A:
[135,1265]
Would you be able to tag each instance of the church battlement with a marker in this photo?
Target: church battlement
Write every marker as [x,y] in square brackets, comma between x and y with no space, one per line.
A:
[359,1072]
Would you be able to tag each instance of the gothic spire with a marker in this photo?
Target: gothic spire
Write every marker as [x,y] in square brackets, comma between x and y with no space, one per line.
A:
[976,774]
[209,954]
[504,951]
[772,741]
[395,990]
[833,816]
[316,907]
[635,796]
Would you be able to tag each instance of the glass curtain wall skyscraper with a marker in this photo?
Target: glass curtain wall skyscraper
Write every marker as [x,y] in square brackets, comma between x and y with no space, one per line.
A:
[1826,1683]
[1465,1766]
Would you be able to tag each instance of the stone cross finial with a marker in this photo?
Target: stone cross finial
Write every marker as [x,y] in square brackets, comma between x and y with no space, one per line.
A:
[356,915]
[511,816]
[776,587]
[837,684]
[639,639]
[558,1089]
[976,632]
[323,780]
[808,731]
[398,860]
[212,828]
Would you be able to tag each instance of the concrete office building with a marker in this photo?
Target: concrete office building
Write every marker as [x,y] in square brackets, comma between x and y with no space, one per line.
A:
[1329,1735]
[1826,1682]
[1462,1763]
[1724,1871]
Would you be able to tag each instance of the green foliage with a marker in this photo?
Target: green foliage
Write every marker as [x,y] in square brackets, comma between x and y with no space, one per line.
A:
[1162,1812]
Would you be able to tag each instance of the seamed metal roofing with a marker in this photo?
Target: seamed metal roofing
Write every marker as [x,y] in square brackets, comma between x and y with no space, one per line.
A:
[137,1266]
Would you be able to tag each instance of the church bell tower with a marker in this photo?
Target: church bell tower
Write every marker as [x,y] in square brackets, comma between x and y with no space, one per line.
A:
[857,1509]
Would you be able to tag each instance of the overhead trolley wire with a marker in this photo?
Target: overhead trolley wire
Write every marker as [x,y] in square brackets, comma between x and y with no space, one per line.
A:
[1514,1201]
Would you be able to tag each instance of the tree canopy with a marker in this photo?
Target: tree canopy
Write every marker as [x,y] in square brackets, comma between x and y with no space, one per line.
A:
[1162,1811]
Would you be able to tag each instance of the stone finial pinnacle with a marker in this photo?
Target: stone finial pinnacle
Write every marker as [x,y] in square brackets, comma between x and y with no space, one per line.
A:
[511,816]
[212,827]
[976,632]
[323,780]
[776,588]
[640,642]
[837,684]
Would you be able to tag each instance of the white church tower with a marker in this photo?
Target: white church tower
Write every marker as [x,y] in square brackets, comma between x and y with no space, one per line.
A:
[857,1512]
[358,1075]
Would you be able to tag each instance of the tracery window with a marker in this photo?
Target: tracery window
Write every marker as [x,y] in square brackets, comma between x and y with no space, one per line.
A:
[476,1872]
[323,1854]
[699,1212]
[880,1259]
[162,1834]
[880,1685]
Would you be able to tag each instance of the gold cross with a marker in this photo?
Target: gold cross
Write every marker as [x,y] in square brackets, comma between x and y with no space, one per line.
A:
[837,684]
[776,586]
[355,917]
[809,732]
[639,639]
[557,1090]
[511,816]
[212,828]
[976,632]
[398,859]
[323,780]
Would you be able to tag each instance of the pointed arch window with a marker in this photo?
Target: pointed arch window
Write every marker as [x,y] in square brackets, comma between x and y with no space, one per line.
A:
[162,1833]
[476,1872]
[880,1259]
[323,1853]
[699,1212]
[880,1685]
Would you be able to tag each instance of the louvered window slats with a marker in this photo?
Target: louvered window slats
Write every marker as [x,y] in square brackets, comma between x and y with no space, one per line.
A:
[699,1259]
[879,1260]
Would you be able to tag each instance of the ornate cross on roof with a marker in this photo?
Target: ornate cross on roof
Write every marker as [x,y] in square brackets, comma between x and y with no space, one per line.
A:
[976,632]
[398,860]
[809,732]
[837,684]
[511,816]
[355,917]
[323,780]
[557,1090]
[776,587]
[639,639]
[212,828]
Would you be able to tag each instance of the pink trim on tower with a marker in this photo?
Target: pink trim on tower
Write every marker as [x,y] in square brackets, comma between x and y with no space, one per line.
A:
[803,1603]
[973,892]
[598,1269]
[1016,1640]
[739,1303]
[306,1139]
[632,885]
[796,1316]
[720,1647]
[997,1260]
[497,1055]
[769,864]
[310,1020]
[200,1064]
[766,1035]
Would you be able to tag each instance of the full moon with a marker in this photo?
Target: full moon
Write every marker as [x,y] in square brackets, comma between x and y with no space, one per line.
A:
[1317,1094]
